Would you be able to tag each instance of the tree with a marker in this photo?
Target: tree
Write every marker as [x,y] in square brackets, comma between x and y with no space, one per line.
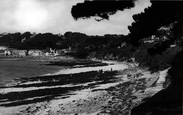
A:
[100,8]
[160,14]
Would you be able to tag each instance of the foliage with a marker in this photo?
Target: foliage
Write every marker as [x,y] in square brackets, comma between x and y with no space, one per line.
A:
[159,14]
[102,9]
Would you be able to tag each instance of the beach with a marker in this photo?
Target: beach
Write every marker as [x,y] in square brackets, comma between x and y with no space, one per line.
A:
[111,89]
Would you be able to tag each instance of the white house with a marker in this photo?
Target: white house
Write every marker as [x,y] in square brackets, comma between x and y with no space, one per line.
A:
[3,47]
[2,50]
[35,52]
[19,52]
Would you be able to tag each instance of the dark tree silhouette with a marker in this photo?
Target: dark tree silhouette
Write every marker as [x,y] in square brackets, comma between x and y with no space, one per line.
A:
[100,8]
[160,14]
[26,35]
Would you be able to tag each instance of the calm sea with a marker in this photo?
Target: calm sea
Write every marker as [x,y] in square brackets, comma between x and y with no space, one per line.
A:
[13,68]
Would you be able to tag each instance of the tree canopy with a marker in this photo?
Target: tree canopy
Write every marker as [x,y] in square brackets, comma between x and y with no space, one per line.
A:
[100,8]
[160,14]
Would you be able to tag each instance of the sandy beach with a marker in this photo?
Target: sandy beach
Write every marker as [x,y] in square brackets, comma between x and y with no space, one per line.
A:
[126,87]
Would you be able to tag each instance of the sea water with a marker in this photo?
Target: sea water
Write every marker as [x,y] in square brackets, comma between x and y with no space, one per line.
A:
[15,68]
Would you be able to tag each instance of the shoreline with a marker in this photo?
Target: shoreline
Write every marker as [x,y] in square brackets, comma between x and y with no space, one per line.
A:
[110,95]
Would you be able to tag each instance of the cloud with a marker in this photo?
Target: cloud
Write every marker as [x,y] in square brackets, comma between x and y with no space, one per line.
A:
[7,9]
[58,19]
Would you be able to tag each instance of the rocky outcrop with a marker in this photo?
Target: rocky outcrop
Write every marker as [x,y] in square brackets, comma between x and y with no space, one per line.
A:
[169,100]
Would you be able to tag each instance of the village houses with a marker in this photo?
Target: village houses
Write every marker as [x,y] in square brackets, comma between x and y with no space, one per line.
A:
[32,52]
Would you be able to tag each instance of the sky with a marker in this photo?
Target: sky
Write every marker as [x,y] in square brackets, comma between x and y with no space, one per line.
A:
[54,16]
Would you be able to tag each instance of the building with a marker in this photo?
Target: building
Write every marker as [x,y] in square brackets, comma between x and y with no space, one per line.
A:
[14,52]
[3,47]
[19,52]
[35,52]
[2,50]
